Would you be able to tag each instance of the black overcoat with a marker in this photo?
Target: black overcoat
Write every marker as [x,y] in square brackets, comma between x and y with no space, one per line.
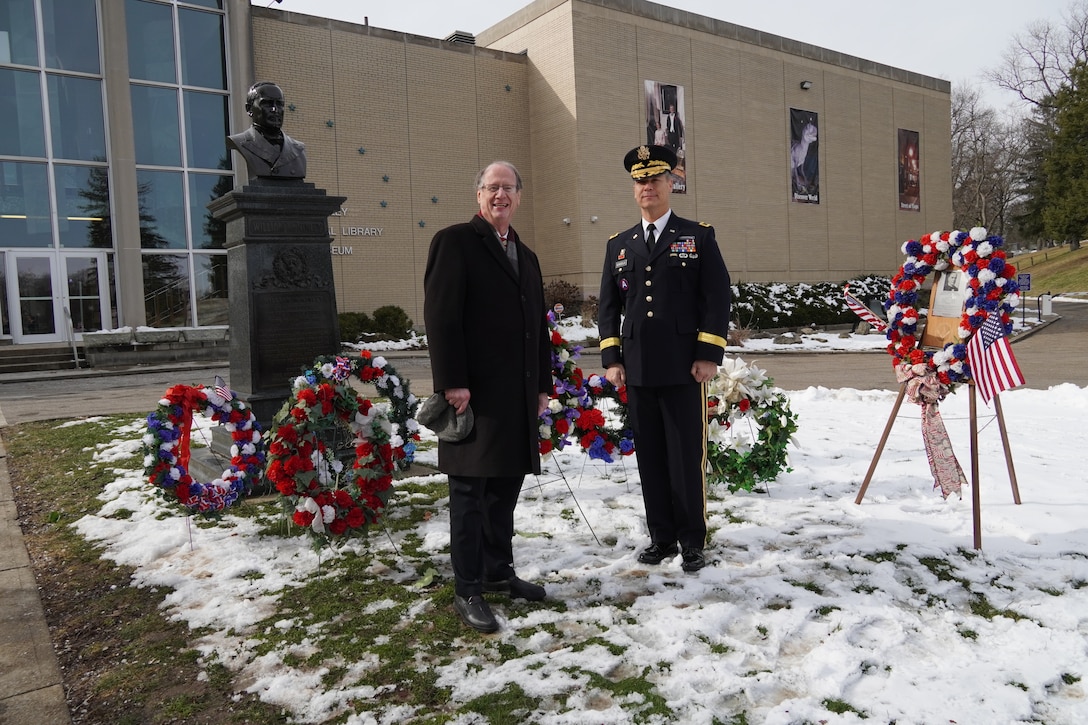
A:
[487,331]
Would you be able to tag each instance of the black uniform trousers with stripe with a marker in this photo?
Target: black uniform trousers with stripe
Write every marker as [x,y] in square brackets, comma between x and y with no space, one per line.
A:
[670,428]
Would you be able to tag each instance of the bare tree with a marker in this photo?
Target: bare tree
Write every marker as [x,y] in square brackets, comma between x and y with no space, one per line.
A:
[985,158]
[1040,60]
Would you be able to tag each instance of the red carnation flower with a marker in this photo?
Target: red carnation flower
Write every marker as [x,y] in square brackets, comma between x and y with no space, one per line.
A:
[338,526]
[744,405]
[356,517]
[303,518]
[545,446]
[562,426]
[591,418]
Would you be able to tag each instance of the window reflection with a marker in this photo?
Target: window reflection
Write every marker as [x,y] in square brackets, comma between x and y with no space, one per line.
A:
[208,232]
[85,306]
[211,289]
[24,127]
[71,35]
[206,130]
[18,40]
[155,126]
[35,283]
[83,202]
[24,205]
[150,28]
[75,114]
[166,290]
[202,49]
[162,211]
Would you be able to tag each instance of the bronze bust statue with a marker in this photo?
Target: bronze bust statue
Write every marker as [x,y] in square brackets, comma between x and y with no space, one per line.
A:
[269,153]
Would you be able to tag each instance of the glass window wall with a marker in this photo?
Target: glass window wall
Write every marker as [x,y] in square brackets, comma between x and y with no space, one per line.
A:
[75,118]
[202,49]
[166,290]
[24,205]
[211,289]
[18,40]
[162,209]
[71,35]
[24,126]
[206,130]
[150,28]
[83,201]
[155,126]
[208,232]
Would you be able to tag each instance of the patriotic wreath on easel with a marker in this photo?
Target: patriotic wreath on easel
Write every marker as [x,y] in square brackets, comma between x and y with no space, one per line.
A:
[992,290]
[166,447]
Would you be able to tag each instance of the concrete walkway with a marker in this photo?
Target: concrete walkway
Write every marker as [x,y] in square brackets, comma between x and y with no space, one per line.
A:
[31,688]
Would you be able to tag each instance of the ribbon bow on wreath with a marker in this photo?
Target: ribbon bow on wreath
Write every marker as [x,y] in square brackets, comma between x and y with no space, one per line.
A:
[923,388]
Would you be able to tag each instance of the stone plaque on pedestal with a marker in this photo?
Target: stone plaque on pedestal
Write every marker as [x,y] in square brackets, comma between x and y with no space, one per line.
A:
[280,283]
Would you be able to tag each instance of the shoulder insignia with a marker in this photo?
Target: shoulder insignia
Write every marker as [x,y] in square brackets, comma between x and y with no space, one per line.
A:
[614,236]
[703,224]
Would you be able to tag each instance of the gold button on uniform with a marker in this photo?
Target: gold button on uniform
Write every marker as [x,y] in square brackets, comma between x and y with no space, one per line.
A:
[649,298]
[650,313]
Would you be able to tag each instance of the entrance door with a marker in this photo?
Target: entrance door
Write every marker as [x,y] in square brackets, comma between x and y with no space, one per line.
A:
[47,291]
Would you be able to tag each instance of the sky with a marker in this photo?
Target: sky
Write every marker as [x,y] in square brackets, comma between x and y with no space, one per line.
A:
[810,598]
[955,41]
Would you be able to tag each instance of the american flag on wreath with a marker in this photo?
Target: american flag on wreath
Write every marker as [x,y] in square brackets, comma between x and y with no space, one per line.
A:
[993,365]
[862,311]
[222,390]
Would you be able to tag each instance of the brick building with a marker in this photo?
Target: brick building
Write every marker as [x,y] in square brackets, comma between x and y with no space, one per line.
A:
[812,165]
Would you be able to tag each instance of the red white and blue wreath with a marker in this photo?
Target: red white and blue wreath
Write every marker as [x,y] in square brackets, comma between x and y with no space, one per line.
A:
[992,291]
[577,407]
[328,496]
[166,447]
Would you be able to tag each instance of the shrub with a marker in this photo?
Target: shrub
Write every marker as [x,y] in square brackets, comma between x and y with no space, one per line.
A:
[764,306]
[353,325]
[391,323]
[566,294]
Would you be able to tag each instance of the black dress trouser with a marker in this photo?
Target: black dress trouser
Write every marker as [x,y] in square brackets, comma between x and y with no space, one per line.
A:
[670,428]
[481,530]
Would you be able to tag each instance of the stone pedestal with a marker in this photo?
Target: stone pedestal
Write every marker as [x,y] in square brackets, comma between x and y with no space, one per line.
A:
[280,282]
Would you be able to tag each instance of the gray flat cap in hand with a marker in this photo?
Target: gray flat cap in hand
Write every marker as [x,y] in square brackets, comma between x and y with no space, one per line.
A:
[442,418]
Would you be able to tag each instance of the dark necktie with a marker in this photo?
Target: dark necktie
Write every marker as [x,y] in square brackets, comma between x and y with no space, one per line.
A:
[650,240]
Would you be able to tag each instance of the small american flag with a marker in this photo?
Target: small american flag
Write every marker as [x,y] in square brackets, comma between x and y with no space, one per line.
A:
[993,365]
[862,311]
[222,390]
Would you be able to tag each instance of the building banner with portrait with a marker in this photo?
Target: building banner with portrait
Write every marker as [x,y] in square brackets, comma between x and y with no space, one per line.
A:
[909,177]
[665,126]
[804,156]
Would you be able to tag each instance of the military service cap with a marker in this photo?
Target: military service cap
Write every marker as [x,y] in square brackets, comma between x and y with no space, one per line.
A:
[645,161]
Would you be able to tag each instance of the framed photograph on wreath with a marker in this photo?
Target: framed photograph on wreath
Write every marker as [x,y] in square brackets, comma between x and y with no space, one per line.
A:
[946,301]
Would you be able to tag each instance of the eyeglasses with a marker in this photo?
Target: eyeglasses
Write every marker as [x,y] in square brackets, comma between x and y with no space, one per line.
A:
[494,188]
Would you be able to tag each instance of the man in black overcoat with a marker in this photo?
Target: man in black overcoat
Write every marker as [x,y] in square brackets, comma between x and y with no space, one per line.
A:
[489,348]
[665,278]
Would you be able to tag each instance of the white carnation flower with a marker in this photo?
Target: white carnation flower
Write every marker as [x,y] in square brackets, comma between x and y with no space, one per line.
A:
[978,233]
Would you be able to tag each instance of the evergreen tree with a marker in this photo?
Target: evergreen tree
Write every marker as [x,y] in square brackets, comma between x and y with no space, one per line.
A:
[1065,165]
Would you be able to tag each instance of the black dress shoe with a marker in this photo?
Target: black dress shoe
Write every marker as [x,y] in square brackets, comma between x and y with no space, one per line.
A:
[517,589]
[657,553]
[693,560]
[475,613]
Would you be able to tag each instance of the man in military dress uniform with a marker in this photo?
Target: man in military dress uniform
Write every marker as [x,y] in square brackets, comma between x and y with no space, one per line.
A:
[665,276]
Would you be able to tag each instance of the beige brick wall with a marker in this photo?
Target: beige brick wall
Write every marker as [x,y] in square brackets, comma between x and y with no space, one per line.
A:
[429,114]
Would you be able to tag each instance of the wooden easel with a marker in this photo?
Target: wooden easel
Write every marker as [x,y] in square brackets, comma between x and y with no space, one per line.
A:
[975,499]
